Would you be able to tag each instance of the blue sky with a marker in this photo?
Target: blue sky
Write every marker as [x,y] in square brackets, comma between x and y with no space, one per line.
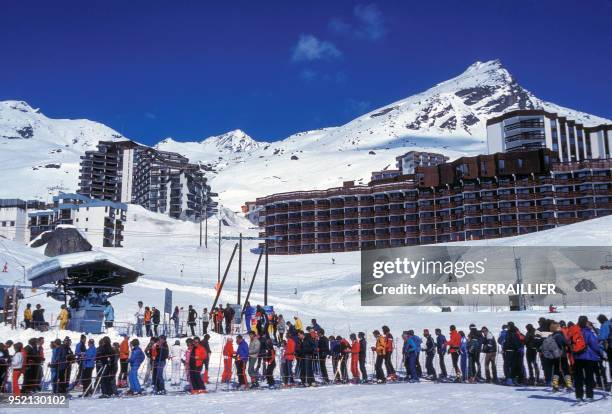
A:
[190,69]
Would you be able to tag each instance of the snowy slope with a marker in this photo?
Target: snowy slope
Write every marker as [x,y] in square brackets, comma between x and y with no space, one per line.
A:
[449,117]
[40,155]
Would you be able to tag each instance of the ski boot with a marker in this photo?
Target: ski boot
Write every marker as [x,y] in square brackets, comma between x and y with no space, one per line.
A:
[555,383]
[568,382]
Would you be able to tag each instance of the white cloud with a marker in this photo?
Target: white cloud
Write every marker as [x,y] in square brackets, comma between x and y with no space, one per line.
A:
[150,115]
[369,23]
[309,48]
[372,21]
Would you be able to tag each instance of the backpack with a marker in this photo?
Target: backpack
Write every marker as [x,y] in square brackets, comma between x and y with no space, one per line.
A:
[550,348]
[577,342]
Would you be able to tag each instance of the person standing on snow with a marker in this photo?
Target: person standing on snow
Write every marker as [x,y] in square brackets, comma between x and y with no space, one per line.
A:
[139,315]
[379,349]
[63,317]
[135,360]
[323,352]
[228,354]
[176,354]
[109,315]
[489,347]
[159,364]
[192,315]
[175,318]
[454,344]
[299,326]
[430,353]
[228,314]
[205,321]
[242,355]
[441,350]
[270,360]
[281,327]
[124,355]
[585,360]
[388,353]
[254,348]
[363,346]
[155,319]
[355,349]
[196,362]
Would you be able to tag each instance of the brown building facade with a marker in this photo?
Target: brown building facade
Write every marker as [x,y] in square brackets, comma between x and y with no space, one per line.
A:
[471,198]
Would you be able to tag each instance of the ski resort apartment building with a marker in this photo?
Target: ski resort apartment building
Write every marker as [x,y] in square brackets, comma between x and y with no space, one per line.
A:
[14,218]
[160,181]
[531,129]
[471,198]
[101,222]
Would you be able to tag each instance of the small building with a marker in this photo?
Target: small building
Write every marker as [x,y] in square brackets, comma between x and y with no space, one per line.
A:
[407,163]
[102,222]
[14,218]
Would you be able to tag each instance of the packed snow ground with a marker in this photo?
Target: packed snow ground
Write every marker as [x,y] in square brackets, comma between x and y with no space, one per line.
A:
[309,286]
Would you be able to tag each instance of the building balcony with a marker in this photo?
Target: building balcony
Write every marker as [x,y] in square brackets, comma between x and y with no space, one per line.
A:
[473,226]
[320,207]
[508,223]
[350,203]
[427,208]
[366,225]
[427,220]
[366,214]
[366,203]
[476,213]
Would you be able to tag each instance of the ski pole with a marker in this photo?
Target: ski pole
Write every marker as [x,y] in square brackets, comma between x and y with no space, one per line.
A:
[98,381]
[220,361]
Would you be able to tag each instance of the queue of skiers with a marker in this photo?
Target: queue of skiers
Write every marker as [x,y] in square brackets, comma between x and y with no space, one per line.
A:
[554,354]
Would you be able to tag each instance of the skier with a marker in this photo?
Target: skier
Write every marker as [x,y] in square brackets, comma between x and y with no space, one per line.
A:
[388,354]
[414,348]
[281,327]
[135,360]
[474,347]
[441,350]
[242,355]
[17,362]
[289,357]
[176,352]
[463,351]
[159,364]
[380,350]
[323,348]
[103,363]
[88,362]
[531,346]
[124,354]
[454,344]
[430,353]
[306,353]
[249,311]
[355,350]
[605,338]
[587,354]
[206,346]
[228,354]
[270,360]
[489,347]
[197,356]
[254,348]
[363,345]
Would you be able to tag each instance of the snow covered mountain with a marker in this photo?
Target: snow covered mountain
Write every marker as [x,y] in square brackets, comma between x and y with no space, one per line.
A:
[40,155]
[449,118]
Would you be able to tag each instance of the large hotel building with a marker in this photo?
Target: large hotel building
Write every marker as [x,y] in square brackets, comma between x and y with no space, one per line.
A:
[530,129]
[160,181]
[506,193]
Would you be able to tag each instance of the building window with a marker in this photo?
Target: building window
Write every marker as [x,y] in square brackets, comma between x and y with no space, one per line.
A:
[520,162]
[501,164]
